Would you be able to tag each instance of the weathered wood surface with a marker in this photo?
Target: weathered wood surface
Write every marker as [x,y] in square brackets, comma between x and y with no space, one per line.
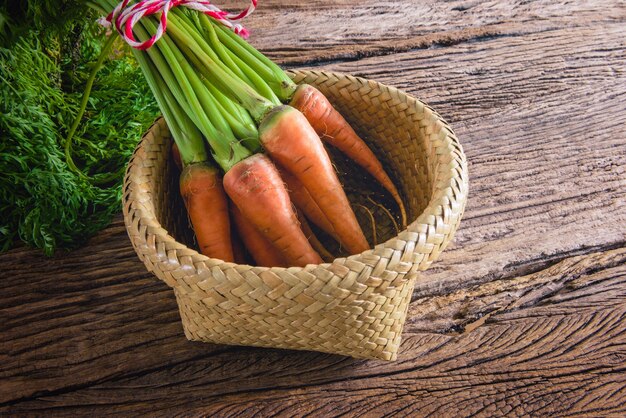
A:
[524,314]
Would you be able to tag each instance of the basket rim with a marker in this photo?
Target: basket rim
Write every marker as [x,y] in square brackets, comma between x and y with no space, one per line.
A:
[455,178]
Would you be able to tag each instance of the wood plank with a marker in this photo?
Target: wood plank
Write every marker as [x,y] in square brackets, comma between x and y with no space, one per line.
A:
[465,310]
[71,320]
[301,31]
[540,354]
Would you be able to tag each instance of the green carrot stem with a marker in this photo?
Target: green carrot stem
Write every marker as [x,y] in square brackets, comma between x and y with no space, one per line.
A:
[83,105]
[205,99]
[226,150]
[234,88]
[184,131]
[215,105]
[169,74]
[202,86]
[180,25]
[180,83]
[242,123]
[228,109]
[187,136]
[97,7]
[242,49]
[222,111]
[274,76]
[238,118]
[257,82]
[209,33]
[186,24]
[253,79]
[193,28]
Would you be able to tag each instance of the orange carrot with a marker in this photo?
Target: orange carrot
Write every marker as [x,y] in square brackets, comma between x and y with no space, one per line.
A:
[333,128]
[207,206]
[255,186]
[291,141]
[301,197]
[261,249]
[310,235]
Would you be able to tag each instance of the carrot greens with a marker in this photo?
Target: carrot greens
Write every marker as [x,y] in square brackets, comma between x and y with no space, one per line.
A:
[47,52]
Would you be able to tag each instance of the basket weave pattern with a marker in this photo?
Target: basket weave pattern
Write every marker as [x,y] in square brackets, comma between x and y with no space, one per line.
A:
[353,306]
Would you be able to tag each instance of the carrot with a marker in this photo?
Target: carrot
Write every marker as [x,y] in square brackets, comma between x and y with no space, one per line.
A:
[291,141]
[301,197]
[261,249]
[202,192]
[310,235]
[333,128]
[255,186]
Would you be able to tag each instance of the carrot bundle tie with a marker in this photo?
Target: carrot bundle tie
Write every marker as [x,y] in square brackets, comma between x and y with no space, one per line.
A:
[126,16]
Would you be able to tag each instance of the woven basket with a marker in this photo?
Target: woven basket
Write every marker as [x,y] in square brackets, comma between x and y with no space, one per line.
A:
[354,306]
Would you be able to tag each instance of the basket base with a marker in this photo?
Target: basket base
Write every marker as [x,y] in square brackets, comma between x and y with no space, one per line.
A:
[352,327]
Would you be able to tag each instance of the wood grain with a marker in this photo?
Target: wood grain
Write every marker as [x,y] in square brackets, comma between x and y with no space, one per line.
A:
[540,343]
[524,314]
[343,30]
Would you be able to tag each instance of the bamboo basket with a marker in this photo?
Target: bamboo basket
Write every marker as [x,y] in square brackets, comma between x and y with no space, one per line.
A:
[354,306]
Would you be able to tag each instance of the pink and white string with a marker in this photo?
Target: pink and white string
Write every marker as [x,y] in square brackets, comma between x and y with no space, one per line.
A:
[125,17]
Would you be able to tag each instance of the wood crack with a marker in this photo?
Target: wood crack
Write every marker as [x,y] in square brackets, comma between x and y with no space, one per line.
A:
[399,46]
[515,293]
[72,388]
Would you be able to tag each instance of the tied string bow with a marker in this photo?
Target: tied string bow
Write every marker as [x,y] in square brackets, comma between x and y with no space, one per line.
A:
[125,17]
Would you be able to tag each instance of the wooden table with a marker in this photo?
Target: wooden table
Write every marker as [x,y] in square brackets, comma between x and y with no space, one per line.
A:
[524,314]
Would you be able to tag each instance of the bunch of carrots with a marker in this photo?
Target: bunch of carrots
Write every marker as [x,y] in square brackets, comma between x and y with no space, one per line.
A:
[251,143]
